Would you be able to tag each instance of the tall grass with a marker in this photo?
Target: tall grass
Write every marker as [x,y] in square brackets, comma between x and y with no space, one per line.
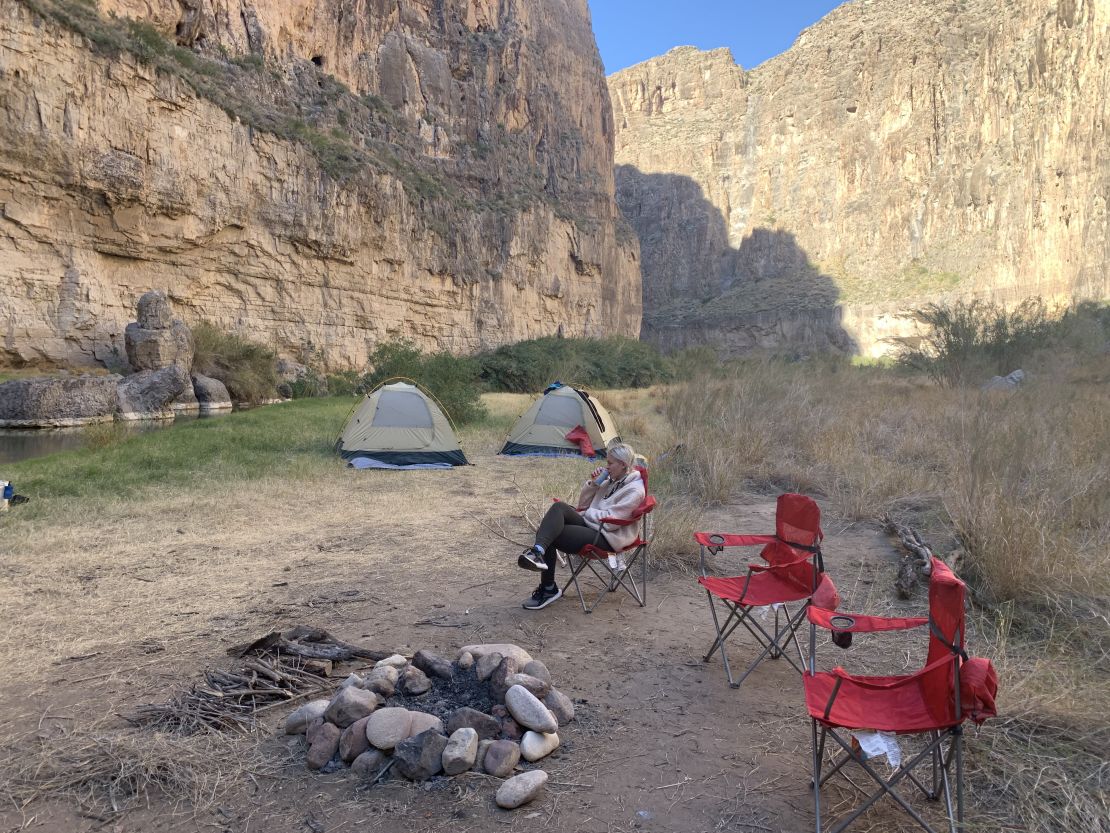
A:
[1023,479]
[246,368]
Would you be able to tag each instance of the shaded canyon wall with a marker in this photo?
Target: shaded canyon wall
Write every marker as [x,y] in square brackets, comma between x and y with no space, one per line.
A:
[899,152]
[438,170]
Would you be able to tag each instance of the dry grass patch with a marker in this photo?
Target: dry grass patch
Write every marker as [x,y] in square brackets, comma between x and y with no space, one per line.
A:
[107,771]
[1043,760]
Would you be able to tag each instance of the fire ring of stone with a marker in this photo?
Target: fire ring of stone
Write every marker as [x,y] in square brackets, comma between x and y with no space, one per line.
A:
[491,709]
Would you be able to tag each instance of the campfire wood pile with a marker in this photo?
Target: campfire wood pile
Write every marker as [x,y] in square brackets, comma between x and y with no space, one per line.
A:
[486,711]
[276,669]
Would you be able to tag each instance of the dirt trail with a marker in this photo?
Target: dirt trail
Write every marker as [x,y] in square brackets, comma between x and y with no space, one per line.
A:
[661,744]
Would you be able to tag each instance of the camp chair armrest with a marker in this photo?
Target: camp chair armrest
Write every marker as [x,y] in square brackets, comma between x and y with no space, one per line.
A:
[853,623]
[723,539]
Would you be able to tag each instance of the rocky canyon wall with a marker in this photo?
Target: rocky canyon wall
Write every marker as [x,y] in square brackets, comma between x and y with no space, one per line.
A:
[320,175]
[901,151]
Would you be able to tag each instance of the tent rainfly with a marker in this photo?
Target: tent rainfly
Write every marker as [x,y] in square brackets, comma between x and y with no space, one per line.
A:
[544,427]
[399,426]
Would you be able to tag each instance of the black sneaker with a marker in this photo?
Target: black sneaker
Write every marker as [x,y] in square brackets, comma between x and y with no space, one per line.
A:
[531,560]
[542,597]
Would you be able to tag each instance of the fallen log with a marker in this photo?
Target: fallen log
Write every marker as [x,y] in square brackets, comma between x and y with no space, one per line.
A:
[308,643]
[917,561]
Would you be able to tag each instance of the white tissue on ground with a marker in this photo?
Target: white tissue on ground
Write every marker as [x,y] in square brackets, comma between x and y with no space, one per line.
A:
[764,611]
[879,745]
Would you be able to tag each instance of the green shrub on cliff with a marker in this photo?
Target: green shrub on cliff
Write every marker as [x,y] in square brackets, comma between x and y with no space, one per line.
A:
[247,368]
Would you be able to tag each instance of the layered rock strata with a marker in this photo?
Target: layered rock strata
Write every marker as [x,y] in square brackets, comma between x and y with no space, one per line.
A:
[900,151]
[356,170]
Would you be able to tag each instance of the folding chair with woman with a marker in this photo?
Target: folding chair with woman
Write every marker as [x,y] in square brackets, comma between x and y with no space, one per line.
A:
[934,701]
[606,532]
[616,569]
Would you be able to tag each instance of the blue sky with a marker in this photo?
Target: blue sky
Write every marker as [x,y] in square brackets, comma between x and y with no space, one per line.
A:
[630,31]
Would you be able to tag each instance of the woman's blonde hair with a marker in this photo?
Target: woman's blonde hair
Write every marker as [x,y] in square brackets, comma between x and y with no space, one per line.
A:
[624,453]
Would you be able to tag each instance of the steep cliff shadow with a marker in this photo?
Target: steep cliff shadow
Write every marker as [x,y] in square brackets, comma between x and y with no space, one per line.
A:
[699,289]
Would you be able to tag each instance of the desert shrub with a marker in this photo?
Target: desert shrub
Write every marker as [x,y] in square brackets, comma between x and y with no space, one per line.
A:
[452,380]
[345,383]
[311,383]
[693,361]
[247,368]
[964,341]
[529,366]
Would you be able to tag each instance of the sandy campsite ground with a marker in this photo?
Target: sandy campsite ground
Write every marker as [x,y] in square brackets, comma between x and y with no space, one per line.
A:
[118,605]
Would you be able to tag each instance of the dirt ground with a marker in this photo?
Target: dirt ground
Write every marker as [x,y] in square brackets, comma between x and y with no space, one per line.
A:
[117,605]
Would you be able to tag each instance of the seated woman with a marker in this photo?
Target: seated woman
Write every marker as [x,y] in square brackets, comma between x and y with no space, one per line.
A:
[617,494]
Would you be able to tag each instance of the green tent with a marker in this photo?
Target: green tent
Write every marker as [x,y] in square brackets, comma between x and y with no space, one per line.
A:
[398,426]
[544,427]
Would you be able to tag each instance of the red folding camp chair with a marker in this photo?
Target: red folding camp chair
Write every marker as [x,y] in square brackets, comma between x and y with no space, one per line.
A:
[933,701]
[794,572]
[615,570]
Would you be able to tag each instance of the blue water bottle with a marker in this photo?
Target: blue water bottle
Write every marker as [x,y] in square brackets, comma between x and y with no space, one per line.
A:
[9,491]
[601,478]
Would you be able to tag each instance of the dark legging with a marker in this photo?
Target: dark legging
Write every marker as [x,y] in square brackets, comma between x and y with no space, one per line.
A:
[562,528]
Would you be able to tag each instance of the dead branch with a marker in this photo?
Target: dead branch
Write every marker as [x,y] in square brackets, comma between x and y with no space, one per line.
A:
[916,561]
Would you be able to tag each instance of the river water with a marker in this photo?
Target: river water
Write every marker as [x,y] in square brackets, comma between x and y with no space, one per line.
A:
[26,443]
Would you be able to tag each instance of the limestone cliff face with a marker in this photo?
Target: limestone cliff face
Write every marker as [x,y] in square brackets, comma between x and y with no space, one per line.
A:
[439,170]
[900,151]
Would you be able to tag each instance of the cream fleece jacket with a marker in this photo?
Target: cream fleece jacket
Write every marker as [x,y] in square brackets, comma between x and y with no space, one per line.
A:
[613,500]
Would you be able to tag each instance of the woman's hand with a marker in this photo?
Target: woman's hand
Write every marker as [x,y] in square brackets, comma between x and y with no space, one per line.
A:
[596,473]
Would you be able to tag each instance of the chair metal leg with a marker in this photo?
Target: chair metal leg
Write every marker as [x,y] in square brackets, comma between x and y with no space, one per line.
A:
[643,574]
[772,642]
[885,786]
[817,753]
[958,740]
[720,643]
[609,582]
[794,635]
[724,633]
[936,766]
[575,569]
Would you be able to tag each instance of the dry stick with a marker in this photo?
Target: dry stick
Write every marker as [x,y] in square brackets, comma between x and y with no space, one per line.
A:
[919,559]
[383,771]
[499,533]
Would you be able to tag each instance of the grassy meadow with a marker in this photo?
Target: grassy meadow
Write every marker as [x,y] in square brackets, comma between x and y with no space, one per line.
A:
[1013,488]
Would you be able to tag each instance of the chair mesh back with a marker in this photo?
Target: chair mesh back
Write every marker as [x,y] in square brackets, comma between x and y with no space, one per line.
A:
[946,612]
[798,520]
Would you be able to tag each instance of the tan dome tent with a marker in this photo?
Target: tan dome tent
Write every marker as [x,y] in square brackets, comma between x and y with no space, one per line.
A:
[544,427]
[399,426]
